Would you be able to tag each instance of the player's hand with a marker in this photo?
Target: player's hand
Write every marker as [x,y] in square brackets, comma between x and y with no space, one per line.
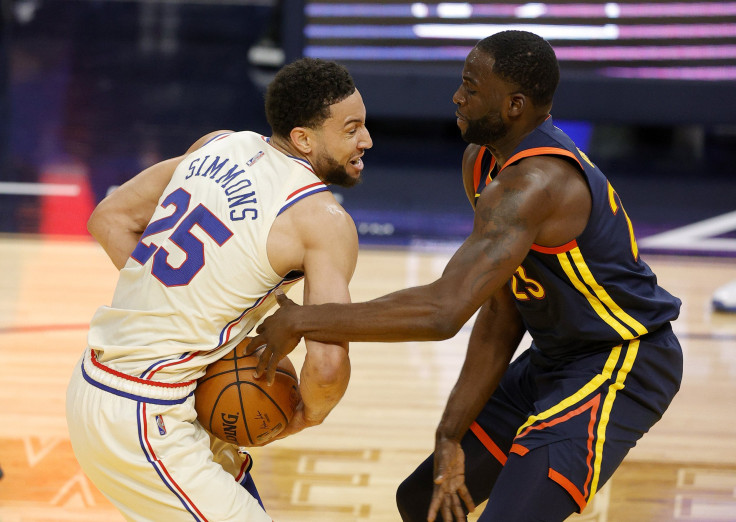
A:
[297,423]
[275,335]
[449,483]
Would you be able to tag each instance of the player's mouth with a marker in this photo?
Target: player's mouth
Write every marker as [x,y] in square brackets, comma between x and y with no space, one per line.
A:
[357,163]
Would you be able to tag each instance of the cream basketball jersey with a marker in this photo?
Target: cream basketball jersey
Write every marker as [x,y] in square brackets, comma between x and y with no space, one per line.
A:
[200,279]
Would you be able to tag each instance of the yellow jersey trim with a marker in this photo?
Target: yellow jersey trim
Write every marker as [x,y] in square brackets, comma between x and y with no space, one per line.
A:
[590,387]
[599,299]
[631,354]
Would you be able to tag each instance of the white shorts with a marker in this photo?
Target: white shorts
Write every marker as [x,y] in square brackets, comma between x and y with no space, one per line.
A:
[141,445]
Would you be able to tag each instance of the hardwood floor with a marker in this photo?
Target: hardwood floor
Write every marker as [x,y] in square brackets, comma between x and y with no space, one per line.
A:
[348,468]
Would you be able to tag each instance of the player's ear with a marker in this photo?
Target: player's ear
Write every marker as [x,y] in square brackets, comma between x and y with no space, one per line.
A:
[303,139]
[517,104]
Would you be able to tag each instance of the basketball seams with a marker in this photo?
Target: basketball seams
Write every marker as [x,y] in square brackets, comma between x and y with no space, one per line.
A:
[238,382]
[268,396]
[219,374]
[216,403]
[259,420]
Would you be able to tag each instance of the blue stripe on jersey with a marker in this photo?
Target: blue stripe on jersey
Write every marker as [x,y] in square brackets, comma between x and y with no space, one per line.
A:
[290,278]
[131,396]
[302,196]
[217,137]
[160,469]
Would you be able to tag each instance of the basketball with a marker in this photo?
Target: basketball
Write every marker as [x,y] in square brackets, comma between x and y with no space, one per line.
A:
[235,407]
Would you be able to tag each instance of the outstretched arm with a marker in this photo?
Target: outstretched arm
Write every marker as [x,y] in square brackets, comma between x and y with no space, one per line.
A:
[119,220]
[508,217]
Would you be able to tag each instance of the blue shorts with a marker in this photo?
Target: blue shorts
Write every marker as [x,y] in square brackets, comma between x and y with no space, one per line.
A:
[588,412]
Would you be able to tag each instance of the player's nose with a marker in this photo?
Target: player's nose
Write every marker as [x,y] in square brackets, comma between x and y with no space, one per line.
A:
[365,141]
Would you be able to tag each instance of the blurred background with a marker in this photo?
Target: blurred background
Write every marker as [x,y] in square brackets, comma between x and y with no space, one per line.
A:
[91,92]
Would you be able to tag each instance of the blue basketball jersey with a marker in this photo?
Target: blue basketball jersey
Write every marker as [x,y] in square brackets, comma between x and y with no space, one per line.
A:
[595,291]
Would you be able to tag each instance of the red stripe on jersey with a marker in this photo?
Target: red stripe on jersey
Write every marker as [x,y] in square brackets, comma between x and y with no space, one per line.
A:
[476,168]
[555,250]
[303,189]
[116,373]
[569,487]
[486,440]
[158,463]
[541,151]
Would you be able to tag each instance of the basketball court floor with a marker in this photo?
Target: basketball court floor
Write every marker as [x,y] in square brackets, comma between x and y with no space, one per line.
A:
[348,468]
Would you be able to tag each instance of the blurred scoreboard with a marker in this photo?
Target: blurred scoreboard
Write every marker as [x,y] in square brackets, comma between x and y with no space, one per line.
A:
[631,45]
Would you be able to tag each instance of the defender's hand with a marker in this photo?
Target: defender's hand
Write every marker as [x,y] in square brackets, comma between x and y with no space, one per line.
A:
[449,483]
[274,334]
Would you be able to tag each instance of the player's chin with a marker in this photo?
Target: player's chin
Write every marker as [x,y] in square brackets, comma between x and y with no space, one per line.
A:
[354,172]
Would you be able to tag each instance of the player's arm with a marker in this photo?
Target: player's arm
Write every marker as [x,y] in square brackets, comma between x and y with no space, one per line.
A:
[496,334]
[330,255]
[119,220]
[508,217]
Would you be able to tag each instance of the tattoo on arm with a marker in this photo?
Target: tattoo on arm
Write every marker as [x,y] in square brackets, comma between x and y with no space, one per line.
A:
[502,225]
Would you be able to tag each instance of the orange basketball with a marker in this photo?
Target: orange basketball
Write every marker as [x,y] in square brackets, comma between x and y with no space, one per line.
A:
[235,407]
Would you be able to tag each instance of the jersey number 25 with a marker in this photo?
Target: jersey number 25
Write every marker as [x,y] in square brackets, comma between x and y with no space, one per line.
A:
[182,237]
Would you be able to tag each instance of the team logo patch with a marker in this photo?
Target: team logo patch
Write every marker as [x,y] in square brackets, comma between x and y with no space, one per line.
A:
[255,158]
[161,425]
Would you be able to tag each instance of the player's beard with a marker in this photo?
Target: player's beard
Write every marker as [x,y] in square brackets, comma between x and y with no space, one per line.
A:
[486,130]
[332,173]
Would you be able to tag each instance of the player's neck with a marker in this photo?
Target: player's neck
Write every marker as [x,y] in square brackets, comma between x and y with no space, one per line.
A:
[504,148]
[285,146]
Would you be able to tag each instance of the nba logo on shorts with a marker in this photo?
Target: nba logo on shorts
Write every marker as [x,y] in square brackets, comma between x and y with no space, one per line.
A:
[160,424]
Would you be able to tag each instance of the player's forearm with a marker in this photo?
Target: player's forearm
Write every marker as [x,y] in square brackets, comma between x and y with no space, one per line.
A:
[415,314]
[118,222]
[323,381]
[496,334]
[474,386]
[116,237]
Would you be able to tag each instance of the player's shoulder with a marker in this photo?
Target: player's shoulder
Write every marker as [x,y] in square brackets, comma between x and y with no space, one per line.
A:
[317,223]
[468,169]
[323,210]
[319,216]
[209,138]
[542,171]
[470,155]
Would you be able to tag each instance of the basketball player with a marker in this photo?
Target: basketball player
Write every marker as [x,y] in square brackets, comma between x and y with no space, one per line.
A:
[202,241]
[552,252]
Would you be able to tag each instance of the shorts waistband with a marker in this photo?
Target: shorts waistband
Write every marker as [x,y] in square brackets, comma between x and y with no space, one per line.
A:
[134,388]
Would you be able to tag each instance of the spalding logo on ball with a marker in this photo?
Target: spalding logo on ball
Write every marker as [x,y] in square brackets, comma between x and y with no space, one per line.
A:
[236,407]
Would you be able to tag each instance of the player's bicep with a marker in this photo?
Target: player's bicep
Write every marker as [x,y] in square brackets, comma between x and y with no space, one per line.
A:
[507,220]
[330,256]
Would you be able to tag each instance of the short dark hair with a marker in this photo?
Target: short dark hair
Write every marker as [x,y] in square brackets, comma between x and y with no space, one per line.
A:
[525,59]
[301,93]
